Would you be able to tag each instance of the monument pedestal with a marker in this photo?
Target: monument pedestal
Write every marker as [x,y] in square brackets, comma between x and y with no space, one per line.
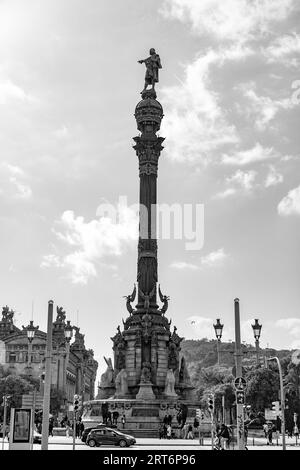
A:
[145,392]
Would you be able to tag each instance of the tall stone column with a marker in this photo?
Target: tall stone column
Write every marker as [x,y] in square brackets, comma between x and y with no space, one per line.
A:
[148,145]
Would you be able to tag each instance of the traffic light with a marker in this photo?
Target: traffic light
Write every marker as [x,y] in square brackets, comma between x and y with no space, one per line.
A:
[286,401]
[276,406]
[77,402]
[240,397]
[211,403]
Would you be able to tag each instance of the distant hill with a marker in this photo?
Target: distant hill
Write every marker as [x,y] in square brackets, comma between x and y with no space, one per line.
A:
[203,353]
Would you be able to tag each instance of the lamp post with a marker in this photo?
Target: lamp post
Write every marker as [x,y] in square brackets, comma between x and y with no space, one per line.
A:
[239,372]
[68,332]
[30,330]
[256,331]
[47,386]
[218,330]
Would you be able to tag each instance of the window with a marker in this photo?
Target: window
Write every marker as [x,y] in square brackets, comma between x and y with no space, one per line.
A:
[12,358]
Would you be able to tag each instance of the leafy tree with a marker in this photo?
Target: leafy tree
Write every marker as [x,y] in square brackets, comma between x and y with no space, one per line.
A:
[262,388]
[15,386]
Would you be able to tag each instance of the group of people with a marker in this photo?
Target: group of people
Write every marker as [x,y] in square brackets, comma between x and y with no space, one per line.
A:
[79,427]
[165,429]
[222,437]
[111,419]
[269,430]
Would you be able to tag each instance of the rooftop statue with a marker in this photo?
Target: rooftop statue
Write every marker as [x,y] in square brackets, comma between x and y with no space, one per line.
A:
[61,314]
[152,65]
[7,315]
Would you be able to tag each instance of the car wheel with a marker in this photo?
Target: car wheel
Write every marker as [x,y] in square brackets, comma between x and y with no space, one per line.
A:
[92,443]
[122,443]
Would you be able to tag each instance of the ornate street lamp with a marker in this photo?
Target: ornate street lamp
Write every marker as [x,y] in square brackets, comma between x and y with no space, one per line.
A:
[218,330]
[256,331]
[30,330]
[68,332]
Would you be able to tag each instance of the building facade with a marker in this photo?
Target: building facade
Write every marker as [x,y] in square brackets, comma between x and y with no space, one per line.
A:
[73,368]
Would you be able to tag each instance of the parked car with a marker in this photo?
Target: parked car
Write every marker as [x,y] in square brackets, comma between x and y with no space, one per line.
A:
[108,436]
[86,431]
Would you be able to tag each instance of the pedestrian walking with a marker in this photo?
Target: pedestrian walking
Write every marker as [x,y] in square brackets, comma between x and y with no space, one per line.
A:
[123,421]
[270,435]
[185,430]
[169,431]
[190,434]
[265,428]
[224,437]
[115,417]
[50,427]
[81,428]
[68,428]
[77,429]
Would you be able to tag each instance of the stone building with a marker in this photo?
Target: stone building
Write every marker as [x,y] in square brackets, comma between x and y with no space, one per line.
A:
[73,366]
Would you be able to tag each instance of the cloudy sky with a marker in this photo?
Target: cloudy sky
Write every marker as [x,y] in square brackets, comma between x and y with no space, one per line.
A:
[230,89]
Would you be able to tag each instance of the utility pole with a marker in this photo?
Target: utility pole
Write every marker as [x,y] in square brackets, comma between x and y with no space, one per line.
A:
[5,398]
[47,385]
[239,373]
[281,400]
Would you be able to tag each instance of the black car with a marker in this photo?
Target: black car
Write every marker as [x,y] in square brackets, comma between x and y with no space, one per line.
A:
[86,431]
[108,436]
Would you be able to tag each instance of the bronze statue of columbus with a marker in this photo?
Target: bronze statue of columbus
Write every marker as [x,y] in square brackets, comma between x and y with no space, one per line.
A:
[152,65]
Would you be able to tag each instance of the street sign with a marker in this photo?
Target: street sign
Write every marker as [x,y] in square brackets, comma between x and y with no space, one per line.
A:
[240,383]
[28,401]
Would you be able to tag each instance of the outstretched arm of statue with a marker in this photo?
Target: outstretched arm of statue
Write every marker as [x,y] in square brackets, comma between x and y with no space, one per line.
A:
[141,61]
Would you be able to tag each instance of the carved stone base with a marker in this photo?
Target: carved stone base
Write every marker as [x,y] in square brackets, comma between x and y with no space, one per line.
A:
[174,396]
[145,392]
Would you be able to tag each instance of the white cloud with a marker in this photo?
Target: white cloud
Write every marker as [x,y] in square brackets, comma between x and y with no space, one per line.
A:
[195,122]
[243,179]
[202,326]
[215,258]
[13,182]
[231,20]
[290,204]
[263,107]
[293,327]
[273,177]
[282,48]
[183,265]
[226,193]
[257,153]
[51,261]
[93,241]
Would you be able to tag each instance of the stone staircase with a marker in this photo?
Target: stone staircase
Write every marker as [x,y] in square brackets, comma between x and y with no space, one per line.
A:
[141,433]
